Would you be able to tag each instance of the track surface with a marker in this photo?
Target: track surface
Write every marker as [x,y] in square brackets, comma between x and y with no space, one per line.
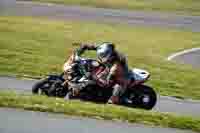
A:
[101,15]
[165,104]
[192,58]
[19,121]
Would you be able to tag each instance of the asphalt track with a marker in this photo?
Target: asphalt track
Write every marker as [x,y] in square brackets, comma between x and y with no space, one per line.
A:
[101,15]
[165,104]
[19,121]
[191,57]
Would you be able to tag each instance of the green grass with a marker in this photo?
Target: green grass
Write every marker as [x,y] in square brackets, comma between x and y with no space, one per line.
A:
[37,47]
[178,6]
[106,112]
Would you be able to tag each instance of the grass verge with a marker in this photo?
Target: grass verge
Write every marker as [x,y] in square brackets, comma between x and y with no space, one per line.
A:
[37,47]
[106,112]
[178,6]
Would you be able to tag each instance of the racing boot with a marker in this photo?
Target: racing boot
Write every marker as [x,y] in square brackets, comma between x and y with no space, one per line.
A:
[113,100]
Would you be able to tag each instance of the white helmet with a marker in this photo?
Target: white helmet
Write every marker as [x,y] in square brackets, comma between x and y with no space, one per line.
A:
[105,51]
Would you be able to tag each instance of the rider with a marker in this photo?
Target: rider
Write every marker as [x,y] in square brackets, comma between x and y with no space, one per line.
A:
[117,75]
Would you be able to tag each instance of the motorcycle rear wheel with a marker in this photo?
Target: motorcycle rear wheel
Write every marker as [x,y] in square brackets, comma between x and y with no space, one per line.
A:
[141,96]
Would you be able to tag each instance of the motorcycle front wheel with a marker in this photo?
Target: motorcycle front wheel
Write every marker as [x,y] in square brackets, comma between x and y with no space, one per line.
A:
[41,87]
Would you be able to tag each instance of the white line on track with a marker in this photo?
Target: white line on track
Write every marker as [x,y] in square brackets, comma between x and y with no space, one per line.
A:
[182,53]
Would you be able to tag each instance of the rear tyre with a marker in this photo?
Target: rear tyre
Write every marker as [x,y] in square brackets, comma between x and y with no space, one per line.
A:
[142,96]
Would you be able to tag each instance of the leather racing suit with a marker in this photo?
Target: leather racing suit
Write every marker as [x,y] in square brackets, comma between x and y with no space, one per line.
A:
[116,74]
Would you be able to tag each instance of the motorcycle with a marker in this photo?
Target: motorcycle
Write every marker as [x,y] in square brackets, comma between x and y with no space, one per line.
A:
[78,71]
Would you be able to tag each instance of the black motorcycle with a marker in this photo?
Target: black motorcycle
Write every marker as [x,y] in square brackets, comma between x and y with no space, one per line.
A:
[75,74]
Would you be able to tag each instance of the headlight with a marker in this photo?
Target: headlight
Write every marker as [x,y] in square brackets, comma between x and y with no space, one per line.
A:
[95,63]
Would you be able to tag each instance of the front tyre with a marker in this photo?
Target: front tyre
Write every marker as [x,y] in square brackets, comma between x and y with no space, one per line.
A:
[142,96]
[41,87]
